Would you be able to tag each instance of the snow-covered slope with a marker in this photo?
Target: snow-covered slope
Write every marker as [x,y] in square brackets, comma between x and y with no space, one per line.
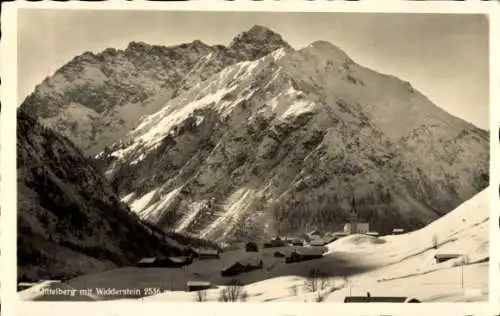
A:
[463,231]
[305,131]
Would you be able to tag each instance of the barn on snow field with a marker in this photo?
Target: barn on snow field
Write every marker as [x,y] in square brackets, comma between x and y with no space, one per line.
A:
[145,262]
[305,253]
[380,299]
[318,242]
[441,257]
[242,266]
[166,262]
[206,254]
[198,286]
[234,269]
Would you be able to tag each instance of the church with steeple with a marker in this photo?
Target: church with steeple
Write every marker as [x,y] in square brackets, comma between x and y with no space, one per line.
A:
[354,226]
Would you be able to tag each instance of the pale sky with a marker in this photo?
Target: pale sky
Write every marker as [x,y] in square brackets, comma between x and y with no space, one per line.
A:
[443,56]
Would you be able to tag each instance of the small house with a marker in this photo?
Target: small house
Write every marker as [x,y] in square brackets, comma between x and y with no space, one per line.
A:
[198,286]
[317,242]
[146,262]
[445,256]
[305,253]
[398,231]
[206,254]
[232,270]
[166,262]
[251,247]
[242,266]
[172,262]
[275,243]
[380,299]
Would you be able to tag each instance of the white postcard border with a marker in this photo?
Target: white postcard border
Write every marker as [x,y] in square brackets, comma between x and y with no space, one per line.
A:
[8,92]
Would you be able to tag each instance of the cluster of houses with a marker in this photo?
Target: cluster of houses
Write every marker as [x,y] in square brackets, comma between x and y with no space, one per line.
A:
[354,226]
[180,261]
[305,247]
[318,239]
[294,249]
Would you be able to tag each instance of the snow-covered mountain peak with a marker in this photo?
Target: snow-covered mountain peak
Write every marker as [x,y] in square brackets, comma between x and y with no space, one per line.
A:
[257,40]
[257,34]
[326,51]
[117,87]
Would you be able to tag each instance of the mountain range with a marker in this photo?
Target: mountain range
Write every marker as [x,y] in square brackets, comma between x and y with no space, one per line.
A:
[95,99]
[257,138]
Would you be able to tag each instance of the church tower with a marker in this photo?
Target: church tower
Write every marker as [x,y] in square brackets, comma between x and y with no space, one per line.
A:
[353,218]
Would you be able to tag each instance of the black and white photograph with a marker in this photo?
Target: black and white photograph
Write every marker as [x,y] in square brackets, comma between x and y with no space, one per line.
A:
[253,156]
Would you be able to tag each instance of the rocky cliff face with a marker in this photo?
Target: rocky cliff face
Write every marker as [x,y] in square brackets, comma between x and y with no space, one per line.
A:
[70,221]
[255,142]
[95,99]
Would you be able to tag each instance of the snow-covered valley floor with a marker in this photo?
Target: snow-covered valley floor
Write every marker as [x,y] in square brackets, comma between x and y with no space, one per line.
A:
[400,265]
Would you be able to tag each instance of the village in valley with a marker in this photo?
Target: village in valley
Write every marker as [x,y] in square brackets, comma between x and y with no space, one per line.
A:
[280,250]
[353,265]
